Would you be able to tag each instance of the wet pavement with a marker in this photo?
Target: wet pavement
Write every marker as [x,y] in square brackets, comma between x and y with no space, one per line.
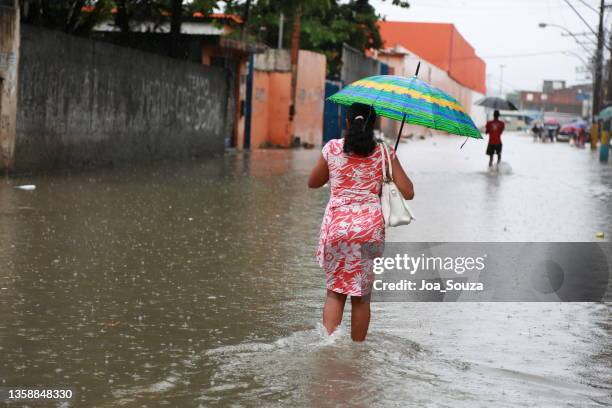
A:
[195,285]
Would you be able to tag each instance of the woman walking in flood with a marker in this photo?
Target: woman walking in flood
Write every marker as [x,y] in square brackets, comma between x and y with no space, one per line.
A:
[353,217]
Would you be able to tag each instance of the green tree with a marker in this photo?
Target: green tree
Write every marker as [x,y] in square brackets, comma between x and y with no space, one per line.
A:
[318,25]
[80,16]
[66,15]
[324,25]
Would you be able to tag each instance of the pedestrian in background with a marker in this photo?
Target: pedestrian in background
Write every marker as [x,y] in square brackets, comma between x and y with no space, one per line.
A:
[353,220]
[580,136]
[553,132]
[537,131]
[494,129]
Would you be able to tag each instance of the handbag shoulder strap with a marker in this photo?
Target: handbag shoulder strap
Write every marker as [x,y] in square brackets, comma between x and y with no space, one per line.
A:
[386,163]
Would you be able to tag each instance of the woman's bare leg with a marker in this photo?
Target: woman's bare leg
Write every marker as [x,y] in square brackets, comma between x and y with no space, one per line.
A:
[333,309]
[360,317]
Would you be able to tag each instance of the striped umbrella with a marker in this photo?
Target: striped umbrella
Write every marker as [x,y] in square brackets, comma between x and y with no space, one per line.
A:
[409,100]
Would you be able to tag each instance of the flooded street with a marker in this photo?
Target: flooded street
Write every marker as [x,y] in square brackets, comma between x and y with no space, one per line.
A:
[195,285]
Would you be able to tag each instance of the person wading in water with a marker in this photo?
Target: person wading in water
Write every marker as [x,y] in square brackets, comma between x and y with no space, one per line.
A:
[494,129]
[353,217]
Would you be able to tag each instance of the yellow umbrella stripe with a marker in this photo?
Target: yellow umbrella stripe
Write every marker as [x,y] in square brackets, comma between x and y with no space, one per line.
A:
[413,93]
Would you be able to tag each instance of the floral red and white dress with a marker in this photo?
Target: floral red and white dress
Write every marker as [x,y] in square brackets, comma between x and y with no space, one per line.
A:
[353,228]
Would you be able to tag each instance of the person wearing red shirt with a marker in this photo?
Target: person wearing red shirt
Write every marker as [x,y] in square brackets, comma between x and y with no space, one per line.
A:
[494,129]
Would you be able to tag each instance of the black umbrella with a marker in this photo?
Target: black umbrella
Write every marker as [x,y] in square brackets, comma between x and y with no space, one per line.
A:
[496,103]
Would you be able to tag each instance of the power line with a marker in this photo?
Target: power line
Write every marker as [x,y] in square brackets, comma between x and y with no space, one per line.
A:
[580,16]
[589,6]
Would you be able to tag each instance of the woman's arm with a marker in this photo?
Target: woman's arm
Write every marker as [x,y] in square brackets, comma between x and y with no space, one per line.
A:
[319,174]
[401,180]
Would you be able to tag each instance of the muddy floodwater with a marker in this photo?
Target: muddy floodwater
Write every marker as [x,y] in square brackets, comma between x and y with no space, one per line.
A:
[195,285]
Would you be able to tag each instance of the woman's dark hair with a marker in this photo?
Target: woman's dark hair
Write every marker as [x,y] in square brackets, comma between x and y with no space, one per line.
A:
[359,138]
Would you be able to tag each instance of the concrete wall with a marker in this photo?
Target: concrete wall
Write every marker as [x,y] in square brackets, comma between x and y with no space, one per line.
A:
[83,102]
[273,60]
[441,44]
[279,126]
[310,96]
[9,57]
[270,123]
[272,97]
[477,113]
[259,109]
[355,65]
[236,65]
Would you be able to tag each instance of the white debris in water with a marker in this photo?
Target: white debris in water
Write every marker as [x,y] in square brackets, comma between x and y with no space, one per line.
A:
[163,385]
[27,187]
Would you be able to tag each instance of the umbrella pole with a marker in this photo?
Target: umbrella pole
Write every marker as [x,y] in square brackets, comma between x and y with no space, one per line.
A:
[400,132]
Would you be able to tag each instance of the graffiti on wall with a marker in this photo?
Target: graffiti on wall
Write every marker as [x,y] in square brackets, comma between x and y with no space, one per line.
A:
[7,60]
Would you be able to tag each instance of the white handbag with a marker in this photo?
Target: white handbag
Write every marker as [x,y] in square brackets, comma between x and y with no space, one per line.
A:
[395,209]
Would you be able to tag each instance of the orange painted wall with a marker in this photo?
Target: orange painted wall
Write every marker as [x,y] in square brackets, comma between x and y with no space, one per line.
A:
[428,40]
[308,123]
[465,66]
[259,108]
[440,44]
[272,97]
[279,131]
[270,109]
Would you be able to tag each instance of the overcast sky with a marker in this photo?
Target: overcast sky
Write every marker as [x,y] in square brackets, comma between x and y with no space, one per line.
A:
[501,31]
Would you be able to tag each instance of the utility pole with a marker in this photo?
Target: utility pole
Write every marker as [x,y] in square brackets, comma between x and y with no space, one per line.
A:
[603,148]
[597,80]
[281,23]
[608,98]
